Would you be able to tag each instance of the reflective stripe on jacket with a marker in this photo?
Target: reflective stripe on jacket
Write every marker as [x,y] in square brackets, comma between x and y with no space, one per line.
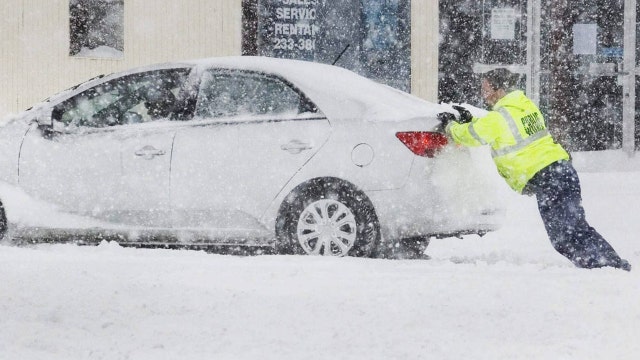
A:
[516,131]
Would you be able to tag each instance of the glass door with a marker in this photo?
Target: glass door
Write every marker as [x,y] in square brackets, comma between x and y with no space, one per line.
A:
[505,39]
[570,55]
[479,36]
[588,85]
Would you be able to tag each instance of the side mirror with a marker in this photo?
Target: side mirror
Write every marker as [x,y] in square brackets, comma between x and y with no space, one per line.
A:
[44,119]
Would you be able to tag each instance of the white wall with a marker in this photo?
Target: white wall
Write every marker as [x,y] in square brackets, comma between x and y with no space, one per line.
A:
[34,43]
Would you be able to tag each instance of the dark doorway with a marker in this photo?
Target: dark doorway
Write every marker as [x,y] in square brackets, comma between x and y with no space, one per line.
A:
[578,72]
[477,36]
[582,47]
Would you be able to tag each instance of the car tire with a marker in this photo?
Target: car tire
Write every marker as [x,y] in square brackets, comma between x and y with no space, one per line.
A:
[4,224]
[327,216]
[411,248]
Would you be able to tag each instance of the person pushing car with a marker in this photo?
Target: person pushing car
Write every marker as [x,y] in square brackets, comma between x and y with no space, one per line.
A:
[532,163]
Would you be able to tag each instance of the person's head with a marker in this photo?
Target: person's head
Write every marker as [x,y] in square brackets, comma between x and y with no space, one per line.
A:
[496,84]
[159,102]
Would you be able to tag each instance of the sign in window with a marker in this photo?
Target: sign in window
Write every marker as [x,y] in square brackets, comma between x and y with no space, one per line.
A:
[370,37]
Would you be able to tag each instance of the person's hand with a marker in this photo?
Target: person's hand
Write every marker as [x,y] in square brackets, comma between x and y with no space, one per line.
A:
[465,115]
[446,118]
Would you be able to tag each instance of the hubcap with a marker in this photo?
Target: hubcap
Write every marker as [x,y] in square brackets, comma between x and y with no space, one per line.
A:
[327,227]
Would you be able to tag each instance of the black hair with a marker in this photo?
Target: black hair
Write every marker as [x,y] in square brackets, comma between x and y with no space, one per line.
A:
[501,78]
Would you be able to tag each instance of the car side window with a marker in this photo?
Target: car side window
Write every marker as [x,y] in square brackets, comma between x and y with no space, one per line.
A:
[129,99]
[235,93]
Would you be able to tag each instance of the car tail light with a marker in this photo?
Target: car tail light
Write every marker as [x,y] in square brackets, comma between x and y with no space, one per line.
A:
[423,143]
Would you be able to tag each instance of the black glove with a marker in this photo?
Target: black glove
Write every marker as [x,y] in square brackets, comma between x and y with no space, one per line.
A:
[465,115]
[445,118]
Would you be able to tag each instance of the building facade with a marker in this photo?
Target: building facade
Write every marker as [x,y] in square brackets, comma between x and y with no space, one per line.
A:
[38,55]
[41,53]
[577,59]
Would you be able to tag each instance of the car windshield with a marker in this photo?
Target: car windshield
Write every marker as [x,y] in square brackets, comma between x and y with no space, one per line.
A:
[74,87]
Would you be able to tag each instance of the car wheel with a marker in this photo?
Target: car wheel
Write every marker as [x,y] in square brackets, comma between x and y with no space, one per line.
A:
[3,222]
[411,248]
[327,217]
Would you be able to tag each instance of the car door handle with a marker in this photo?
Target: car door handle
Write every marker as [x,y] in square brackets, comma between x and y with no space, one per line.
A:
[296,146]
[149,152]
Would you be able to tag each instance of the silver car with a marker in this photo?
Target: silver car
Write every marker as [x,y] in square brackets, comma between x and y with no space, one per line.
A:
[242,152]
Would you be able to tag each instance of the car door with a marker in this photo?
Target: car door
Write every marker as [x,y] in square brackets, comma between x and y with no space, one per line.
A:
[250,134]
[74,170]
[108,155]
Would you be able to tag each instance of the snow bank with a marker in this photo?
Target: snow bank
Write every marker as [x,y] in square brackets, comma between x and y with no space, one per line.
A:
[603,161]
[508,295]
[24,210]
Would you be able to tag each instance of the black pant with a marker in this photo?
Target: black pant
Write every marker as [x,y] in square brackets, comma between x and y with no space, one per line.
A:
[557,189]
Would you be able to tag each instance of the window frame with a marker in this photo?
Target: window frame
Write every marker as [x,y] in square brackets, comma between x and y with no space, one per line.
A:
[182,98]
[306,106]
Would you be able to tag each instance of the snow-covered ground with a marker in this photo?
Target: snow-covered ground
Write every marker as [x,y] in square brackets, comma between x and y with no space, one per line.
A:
[505,296]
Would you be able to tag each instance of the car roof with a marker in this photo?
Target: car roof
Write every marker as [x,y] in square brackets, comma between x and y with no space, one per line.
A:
[338,92]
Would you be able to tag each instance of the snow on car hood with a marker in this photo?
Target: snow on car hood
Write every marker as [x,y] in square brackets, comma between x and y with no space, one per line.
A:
[338,92]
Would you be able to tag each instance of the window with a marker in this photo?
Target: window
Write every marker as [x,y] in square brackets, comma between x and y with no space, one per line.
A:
[96,28]
[130,99]
[231,93]
[370,37]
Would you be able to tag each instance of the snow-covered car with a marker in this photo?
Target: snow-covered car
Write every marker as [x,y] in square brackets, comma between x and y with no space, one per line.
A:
[253,152]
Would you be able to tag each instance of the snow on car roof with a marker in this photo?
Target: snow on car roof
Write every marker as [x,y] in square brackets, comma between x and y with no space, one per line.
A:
[338,92]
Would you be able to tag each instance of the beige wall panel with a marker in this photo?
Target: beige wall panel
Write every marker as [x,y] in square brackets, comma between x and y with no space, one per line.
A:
[34,51]
[177,30]
[34,56]
[424,49]
[9,25]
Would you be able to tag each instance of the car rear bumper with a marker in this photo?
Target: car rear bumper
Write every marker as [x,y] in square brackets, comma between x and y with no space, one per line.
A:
[403,216]
[457,193]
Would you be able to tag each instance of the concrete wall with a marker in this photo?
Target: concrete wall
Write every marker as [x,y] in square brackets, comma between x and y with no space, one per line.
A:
[34,43]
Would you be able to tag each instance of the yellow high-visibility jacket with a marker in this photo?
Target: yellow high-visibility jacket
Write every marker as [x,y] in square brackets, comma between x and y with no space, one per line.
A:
[516,131]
